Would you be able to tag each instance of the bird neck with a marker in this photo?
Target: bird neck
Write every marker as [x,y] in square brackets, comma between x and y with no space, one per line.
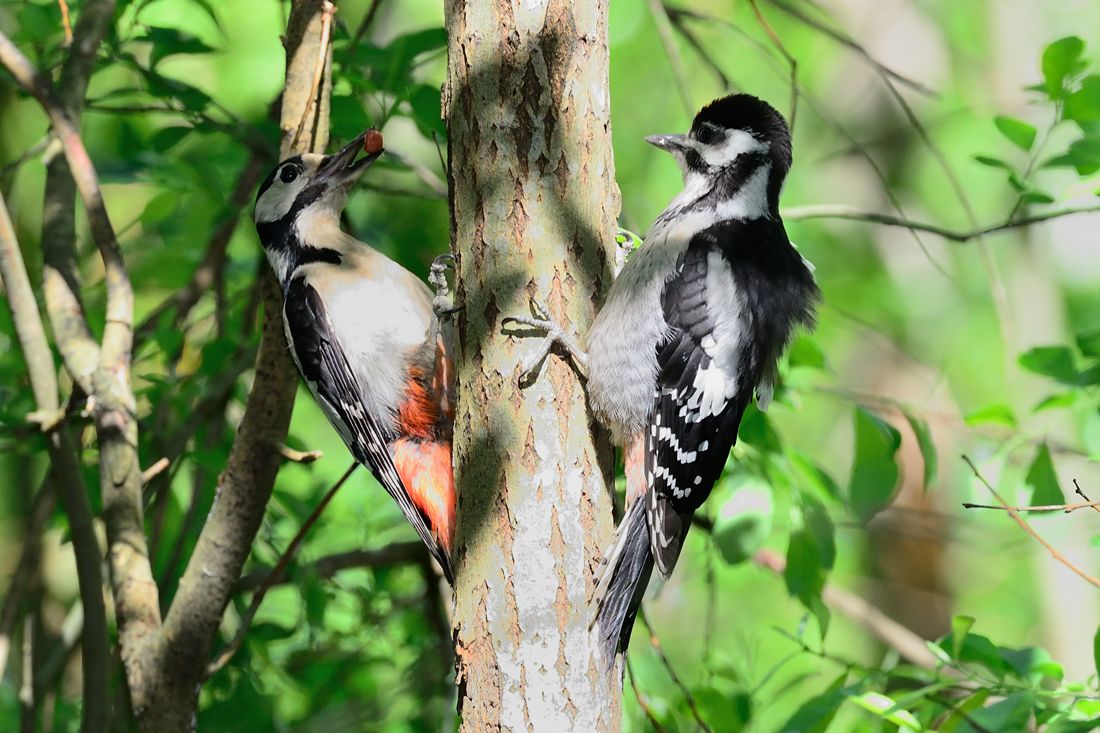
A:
[742,191]
[314,235]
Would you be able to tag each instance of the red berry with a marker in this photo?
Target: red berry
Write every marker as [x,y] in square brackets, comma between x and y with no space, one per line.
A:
[372,143]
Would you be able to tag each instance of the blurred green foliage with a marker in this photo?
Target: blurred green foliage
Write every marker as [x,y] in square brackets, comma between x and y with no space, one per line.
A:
[926,349]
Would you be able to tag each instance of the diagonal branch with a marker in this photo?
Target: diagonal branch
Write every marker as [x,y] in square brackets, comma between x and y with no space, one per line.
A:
[1054,552]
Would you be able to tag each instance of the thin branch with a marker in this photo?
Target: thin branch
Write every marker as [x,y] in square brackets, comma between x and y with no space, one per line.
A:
[298,456]
[276,574]
[896,636]
[155,470]
[308,113]
[643,702]
[23,578]
[791,61]
[365,24]
[398,553]
[1077,490]
[842,211]
[27,708]
[66,471]
[1054,552]
[677,17]
[668,43]
[1066,508]
[38,148]
[655,643]
[852,44]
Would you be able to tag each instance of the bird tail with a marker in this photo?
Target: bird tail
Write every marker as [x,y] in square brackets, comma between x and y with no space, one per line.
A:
[622,582]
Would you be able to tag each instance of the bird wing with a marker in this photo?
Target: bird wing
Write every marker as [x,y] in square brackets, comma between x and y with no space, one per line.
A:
[326,369]
[697,402]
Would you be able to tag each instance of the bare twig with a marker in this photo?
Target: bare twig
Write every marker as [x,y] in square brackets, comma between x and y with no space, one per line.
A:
[841,211]
[23,578]
[664,32]
[889,631]
[34,150]
[1067,508]
[155,470]
[655,643]
[643,702]
[66,24]
[1054,552]
[398,553]
[308,113]
[365,24]
[275,575]
[1077,490]
[27,707]
[791,61]
[298,456]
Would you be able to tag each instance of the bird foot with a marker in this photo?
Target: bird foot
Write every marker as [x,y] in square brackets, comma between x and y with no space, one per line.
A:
[555,334]
[443,302]
[626,242]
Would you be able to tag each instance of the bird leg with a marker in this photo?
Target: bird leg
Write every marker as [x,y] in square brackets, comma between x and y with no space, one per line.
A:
[625,243]
[555,334]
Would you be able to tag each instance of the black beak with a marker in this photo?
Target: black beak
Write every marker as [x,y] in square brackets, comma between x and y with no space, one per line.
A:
[670,143]
[342,168]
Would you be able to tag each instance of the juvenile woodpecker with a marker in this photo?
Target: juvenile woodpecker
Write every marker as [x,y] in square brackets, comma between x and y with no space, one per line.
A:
[365,336]
[692,327]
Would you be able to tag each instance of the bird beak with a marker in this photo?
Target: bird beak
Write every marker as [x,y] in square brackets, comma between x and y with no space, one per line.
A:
[670,143]
[341,168]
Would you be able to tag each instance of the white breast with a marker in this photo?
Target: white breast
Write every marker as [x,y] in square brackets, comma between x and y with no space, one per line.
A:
[381,316]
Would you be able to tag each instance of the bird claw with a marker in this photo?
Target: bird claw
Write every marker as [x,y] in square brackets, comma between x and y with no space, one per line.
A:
[443,302]
[555,334]
[626,242]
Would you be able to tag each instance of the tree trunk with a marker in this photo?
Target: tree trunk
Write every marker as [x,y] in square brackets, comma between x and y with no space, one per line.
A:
[534,204]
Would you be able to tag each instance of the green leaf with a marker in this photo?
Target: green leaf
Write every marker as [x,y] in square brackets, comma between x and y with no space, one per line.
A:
[960,627]
[1056,401]
[1084,155]
[1061,59]
[885,708]
[1036,197]
[744,523]
[1089,343]
[159,208]
[992,415]
[975,649]
[170,41]
[962,712]
[805,572]
[1010,715]
[805,352]
[1083,105]
[1042,480]
[992,162]
[1018,132]
[167,137]
[1056,362]
[924,441]
[874,470]
[818,712]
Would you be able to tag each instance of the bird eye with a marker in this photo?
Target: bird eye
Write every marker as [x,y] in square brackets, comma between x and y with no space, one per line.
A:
[706,134]
[288,173]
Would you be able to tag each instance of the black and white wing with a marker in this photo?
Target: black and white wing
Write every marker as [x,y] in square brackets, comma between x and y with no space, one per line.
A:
[325,367]
[698,404]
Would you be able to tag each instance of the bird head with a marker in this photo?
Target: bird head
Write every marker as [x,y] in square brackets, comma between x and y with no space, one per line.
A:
[313,183]
[737,142]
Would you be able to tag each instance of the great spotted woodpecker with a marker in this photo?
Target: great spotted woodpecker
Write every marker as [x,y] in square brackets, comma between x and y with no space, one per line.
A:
[692,327]
[366,335]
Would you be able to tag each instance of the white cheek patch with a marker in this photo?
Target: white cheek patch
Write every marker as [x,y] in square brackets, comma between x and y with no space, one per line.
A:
[276,201]
[737,143]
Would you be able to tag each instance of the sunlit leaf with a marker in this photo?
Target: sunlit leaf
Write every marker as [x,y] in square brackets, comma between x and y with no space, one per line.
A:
[1056,362]
[992,162]
[874,468]
[992,415]
[960,627]
[885,708]
[818,712]
[744,523]
[1083,105]
[1018,132]
[1061,59]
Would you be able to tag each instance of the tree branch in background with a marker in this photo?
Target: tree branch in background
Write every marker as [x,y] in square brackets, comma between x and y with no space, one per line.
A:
[792,62]
[643,701]
[1077,490]
[23,577]
[1065,508]
[398,553]
[66,473]
[1054,552]
[276,574]
[655,644]
[246,484]
[842,211]
[663,23]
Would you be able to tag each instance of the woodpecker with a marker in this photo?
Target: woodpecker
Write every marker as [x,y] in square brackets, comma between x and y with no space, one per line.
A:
[366,336]
[692,327]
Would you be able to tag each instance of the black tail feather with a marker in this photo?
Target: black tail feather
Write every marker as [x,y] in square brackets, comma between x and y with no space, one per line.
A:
[622,583]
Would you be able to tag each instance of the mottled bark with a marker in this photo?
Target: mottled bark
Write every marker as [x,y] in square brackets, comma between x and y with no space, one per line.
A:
[534,204]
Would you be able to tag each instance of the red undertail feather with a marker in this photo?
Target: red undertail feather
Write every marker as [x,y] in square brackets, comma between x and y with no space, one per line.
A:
[425,469]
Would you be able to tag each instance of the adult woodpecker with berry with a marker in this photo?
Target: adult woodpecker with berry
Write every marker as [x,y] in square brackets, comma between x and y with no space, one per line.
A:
[693,327]
[367,336]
